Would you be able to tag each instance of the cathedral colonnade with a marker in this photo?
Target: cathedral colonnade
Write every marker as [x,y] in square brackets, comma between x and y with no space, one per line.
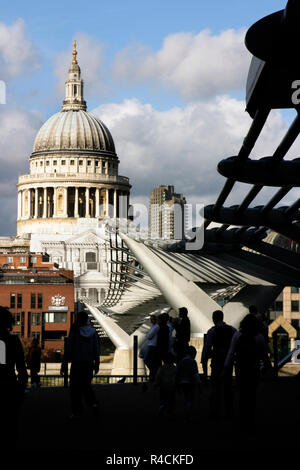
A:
[45,202]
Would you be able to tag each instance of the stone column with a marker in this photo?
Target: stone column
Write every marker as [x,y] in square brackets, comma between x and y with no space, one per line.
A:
[23,204]
[54,201]
[115,203]
[66,203]
[87,202]
[19,205]
[106,203]
[122,206]
[97,202]
[45,204]
[36,202]
[127,194]
[76,203]
[29,203]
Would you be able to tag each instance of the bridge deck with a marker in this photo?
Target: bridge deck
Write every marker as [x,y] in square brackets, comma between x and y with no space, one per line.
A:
[128,423]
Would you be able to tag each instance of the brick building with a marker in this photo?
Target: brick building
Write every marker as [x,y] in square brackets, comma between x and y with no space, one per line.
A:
[41,299]
[24,260]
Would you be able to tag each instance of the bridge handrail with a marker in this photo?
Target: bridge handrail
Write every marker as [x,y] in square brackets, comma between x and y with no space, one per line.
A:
[287,358]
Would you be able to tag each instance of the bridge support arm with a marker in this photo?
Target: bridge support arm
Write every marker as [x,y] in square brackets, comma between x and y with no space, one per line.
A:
[177,291]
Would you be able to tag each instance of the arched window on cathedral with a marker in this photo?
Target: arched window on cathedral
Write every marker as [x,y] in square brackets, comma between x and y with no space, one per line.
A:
[90,259]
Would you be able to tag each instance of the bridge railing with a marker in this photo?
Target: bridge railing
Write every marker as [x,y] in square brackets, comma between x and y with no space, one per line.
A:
[287,358]
[60,381]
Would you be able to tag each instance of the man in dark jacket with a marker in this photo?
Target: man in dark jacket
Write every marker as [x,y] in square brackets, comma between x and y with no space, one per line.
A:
[183,333]
[34,362]
[216,346]
[163,336]
[262,322]
[83,352]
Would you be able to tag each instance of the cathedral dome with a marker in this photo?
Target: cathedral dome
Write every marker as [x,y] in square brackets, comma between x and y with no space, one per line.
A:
[74,182]
[73,130]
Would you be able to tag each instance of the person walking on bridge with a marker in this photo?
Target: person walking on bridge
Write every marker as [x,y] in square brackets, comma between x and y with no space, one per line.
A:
[83,352]
[248,350]
[183,333]
[151,354]
[216,346]
[12,385]
[34,363]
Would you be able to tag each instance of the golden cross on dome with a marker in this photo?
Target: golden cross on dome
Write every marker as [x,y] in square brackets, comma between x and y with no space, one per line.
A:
[74,61]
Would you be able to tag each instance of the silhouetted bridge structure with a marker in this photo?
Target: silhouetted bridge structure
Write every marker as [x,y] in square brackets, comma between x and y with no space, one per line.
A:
[254,250]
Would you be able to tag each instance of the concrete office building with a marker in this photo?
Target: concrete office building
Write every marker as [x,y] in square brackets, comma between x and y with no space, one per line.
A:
[166,213]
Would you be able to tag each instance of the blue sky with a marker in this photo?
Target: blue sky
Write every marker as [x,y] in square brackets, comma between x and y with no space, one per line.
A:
[117,24]
[167,77]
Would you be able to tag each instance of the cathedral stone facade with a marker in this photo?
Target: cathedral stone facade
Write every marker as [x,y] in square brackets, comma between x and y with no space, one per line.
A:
[73,169]
[72,189]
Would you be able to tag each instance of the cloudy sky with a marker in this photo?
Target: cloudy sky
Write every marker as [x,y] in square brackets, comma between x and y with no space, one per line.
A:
[167,77]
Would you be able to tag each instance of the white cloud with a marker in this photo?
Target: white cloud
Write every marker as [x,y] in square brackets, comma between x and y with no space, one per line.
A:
[17,52]
[90,59]
[17,132]
[196,66]
[183,146]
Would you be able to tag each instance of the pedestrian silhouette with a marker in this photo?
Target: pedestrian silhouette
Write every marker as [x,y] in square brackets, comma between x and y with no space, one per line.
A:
[216,346]
[163,337]
[248,350]
[83,351]
[12,386]
[183,333]
[34,363]
[187,378]
[165,381]
[171,328]
[262,322]
[150,354]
